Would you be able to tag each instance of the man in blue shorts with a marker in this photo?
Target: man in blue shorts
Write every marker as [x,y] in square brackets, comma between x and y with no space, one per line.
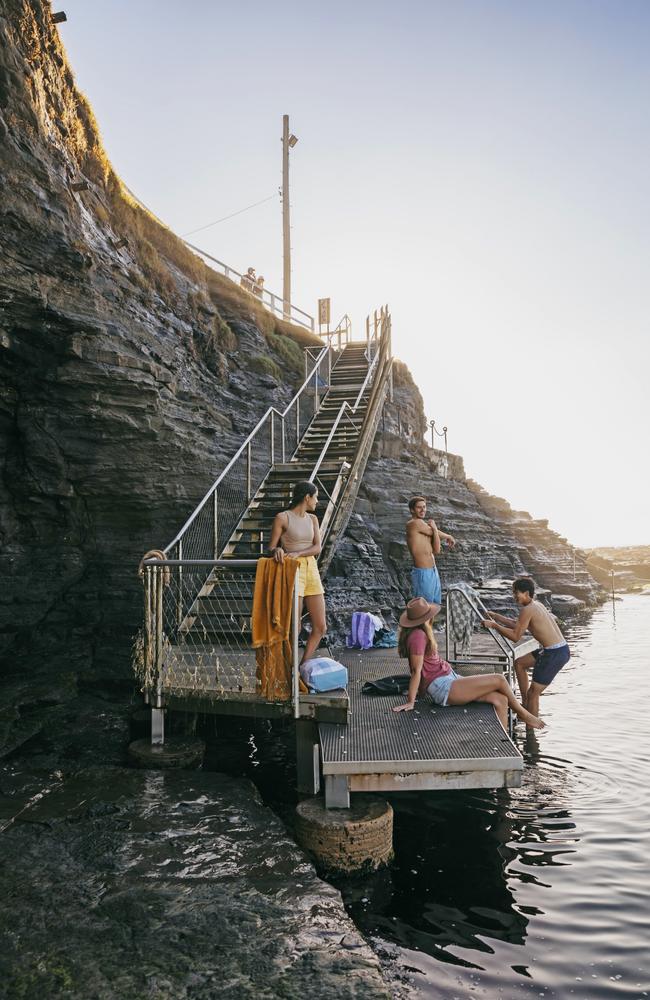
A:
[546,662]
[424,540]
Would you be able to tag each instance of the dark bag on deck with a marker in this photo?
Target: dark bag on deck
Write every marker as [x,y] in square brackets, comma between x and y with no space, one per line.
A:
[397,684]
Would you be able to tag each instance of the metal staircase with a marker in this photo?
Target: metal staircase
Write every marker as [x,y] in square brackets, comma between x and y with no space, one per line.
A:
[195,646]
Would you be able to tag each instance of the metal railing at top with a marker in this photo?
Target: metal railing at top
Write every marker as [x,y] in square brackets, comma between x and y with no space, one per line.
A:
[202,648]
[377,378]
[271,300]
[342,332]
[374,328]
[381,336]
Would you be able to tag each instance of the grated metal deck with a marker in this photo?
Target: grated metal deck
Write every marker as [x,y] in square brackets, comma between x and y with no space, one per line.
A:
[430,747]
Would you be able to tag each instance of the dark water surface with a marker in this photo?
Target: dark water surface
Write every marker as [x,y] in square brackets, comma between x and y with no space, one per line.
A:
[538,891]
[542,890]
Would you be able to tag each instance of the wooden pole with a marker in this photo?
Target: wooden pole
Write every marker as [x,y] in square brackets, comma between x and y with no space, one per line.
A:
[286,223]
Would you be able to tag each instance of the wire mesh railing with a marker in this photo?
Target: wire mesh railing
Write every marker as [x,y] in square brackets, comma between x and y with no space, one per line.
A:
[196,637]
[204,649]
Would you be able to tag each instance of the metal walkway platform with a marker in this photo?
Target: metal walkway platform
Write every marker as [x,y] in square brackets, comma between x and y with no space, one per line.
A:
[428,748]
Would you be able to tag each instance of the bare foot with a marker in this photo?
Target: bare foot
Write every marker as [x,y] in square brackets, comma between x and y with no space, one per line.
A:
[533,722]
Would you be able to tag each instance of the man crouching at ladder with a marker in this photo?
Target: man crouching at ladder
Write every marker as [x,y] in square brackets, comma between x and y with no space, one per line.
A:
[547,661]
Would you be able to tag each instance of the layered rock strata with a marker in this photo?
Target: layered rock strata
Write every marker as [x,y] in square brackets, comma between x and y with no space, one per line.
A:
[371,566]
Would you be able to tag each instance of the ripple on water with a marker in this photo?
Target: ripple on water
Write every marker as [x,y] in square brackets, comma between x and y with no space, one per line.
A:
[542,890]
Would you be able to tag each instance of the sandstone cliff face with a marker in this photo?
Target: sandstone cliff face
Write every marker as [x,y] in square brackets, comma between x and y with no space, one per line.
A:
[371,567]
[129,376]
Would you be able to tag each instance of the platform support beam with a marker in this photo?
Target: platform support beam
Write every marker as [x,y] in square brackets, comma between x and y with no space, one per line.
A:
[307,757]
[337,791]
[157,726]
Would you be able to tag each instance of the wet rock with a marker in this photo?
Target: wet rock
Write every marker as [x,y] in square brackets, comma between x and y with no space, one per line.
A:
[165,884]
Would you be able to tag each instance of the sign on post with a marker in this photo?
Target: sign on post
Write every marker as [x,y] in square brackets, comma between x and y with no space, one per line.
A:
[324,313]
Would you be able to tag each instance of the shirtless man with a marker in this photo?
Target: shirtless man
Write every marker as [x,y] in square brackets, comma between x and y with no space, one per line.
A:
[547,661]
[424,540]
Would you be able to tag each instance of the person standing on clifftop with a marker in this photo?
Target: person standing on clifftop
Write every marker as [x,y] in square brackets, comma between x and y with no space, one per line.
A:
[547,661]
[424,540]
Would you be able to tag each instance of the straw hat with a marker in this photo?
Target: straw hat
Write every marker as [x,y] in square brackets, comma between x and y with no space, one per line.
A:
[418,611]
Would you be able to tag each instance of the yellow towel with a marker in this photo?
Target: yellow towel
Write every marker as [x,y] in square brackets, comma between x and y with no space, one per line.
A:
[271,627]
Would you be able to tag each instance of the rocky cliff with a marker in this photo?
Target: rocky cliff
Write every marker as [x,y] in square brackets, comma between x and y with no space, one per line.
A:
[130,374]
[495,543]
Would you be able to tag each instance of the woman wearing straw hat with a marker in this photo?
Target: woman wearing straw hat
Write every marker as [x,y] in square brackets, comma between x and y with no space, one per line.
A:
[432,675]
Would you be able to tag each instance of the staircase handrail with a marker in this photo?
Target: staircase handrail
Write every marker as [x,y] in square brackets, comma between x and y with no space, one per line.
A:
[342,410]
[345,406]
[272,301]
[270,412]
[337,514]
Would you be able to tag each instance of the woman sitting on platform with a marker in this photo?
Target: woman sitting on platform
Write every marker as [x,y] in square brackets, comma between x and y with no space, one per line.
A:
[296,535]
[432,675]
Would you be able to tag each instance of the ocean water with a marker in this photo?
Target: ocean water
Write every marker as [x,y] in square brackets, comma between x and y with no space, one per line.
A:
[541,891]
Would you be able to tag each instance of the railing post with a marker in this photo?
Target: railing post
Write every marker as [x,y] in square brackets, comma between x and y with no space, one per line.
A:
[297,421]
[156,736]
[272,437]
[179,601]
[248,471]
[149,634]
[296,650]
[329,366]
[284,458]
[215,521]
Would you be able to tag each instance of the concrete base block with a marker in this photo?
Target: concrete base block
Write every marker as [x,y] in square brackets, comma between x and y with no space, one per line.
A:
[347,840]
[176,752]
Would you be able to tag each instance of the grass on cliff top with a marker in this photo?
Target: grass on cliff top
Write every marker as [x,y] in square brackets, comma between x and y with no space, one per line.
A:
[163,257]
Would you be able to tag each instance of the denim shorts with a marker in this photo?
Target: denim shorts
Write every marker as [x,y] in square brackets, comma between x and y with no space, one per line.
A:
[439,689]
[549,662]
[426,583]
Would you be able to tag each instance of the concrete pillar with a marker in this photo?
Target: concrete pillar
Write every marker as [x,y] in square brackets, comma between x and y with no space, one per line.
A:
[347,840]
[307,757]
[176,752]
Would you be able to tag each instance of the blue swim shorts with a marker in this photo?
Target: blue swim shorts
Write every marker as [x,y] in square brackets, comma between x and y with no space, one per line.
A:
[549,662]
[439,689]
[426,583]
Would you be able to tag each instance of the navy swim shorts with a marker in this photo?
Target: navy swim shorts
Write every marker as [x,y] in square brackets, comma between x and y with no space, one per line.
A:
[549,662]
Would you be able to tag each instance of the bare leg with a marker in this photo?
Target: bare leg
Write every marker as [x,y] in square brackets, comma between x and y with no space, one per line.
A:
[522,666]
[316,610]
[467,689]
[500,703]
[533,696]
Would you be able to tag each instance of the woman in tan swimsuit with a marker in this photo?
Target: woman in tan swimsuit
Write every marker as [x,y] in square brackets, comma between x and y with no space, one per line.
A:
[296,535]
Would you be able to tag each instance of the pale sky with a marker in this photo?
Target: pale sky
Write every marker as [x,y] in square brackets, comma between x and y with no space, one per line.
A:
[483,167]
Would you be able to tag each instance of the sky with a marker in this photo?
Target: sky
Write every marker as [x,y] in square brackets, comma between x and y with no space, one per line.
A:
[482,166]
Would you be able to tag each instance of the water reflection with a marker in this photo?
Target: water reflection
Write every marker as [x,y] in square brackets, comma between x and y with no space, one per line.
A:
[540,890]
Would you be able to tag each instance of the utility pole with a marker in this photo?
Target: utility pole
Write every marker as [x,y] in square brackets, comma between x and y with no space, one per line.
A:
[288,142]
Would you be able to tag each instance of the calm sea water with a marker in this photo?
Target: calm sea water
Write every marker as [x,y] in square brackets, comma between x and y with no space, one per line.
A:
[542,891]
